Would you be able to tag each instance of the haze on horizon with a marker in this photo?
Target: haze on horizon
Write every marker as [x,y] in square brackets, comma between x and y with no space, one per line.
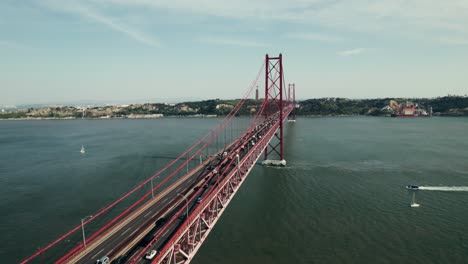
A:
[127,50]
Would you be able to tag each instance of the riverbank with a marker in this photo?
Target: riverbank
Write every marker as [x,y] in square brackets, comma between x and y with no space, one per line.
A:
[105,118]
[320,107]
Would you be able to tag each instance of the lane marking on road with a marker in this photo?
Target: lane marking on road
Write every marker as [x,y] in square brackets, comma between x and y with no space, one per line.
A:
[147,214]
[126,231]
[164,233]
[164,200]
[132,233]
[156,213]
[97,253]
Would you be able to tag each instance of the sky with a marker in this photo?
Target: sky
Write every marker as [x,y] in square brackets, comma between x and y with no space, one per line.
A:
[168,50]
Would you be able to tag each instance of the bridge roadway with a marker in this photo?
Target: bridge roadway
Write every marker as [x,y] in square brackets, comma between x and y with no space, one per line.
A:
[129,230]
[125,240]
[243,145]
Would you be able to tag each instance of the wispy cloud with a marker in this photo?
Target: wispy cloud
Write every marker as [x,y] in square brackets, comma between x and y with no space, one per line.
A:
[389,17]
[351,52]
[91,14]
[315,37]
[417,19]
[232,42]
[138,36]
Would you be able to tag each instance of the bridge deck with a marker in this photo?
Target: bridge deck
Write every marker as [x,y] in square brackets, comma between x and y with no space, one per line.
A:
[128,238]
[187,239]
[177,221]
[129,229]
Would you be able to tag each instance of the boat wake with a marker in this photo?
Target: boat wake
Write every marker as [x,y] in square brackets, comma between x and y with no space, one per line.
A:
[444,188]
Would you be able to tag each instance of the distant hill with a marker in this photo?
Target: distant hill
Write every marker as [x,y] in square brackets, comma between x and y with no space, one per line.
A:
[213,107]
[444,106]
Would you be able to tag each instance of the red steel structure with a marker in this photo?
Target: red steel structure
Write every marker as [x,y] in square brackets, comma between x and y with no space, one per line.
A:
[188,239]
[227,177]
[274,80]
[292,93]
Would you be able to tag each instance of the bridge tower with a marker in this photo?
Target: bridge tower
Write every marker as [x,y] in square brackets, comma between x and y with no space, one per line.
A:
[274,81]
[292,100]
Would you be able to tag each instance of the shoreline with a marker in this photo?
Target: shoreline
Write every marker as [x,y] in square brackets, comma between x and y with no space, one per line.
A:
[180,116]
[103,118]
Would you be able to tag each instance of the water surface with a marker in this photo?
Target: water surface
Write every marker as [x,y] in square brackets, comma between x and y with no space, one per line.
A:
[341,199]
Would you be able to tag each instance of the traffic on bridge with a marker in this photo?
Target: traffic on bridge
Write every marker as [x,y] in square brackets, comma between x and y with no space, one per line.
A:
[169,223]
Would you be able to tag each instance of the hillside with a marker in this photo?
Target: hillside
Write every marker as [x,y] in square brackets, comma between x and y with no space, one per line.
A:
[443,106]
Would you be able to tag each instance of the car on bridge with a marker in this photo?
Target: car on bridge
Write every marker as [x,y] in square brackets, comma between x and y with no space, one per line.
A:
[183,216]
[161,221]
[151,254]
[103,260]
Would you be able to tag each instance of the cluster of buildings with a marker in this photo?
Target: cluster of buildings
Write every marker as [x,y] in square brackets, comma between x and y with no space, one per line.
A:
[406,109]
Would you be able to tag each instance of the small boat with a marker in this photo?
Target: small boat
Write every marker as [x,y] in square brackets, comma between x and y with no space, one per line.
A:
[82,151]
[412,187]
[413,201]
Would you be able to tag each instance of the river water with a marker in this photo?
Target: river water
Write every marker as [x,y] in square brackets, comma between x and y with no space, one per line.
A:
[341,198]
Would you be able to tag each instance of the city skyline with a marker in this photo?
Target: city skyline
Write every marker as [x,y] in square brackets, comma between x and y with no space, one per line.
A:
[125,51]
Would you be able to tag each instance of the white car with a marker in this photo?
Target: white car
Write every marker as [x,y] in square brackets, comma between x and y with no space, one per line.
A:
[103,260]
[151,254]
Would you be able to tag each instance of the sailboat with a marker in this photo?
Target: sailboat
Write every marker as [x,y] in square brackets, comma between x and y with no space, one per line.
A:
[413,201]
[82,151]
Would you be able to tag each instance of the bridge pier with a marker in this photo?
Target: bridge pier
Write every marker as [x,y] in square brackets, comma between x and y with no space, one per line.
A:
[274,163]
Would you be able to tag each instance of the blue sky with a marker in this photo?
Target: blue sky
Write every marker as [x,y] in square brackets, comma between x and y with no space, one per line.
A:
[134,50]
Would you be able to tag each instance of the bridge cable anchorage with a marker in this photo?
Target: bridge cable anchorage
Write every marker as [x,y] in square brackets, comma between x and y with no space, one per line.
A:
[226,120]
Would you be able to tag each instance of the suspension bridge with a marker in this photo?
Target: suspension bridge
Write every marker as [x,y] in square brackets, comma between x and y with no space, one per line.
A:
[174,218]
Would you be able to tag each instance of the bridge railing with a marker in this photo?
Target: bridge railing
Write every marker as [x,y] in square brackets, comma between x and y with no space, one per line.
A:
[231,152]
[201,144]
[244,165]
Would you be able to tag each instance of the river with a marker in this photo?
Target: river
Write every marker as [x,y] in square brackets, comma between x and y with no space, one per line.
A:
[341,198]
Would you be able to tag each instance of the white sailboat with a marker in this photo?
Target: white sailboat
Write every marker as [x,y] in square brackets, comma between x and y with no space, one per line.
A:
[413,201]
[82,151]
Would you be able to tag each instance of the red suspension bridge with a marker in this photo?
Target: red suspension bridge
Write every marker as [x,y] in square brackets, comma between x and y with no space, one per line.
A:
[175,217]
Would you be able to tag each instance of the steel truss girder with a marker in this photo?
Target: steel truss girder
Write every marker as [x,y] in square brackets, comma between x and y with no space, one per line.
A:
[189,238]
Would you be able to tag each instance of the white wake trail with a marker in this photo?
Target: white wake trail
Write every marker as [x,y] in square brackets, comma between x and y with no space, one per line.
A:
[444,188]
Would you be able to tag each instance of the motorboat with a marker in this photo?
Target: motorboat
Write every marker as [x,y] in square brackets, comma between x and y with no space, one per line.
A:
[412,187]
